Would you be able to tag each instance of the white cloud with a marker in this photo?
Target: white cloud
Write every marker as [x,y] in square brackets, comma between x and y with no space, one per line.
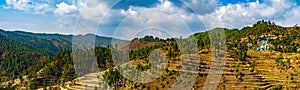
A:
[212,14]
[28,6]
[203,6]
[63,9]
[90,14]
[291,18]
[229,16]
[239,15]
[19,4]
[42,9]
[165,15]
[94,12]
[80,3]
[155,18]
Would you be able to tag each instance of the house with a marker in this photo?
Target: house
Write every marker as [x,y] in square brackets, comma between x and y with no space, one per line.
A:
[273,37]
[263,45]
[249,44]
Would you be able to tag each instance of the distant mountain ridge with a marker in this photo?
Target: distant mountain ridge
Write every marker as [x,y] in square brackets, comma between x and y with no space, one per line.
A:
[48,44]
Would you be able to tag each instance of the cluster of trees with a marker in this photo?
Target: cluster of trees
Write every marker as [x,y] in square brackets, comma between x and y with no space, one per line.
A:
[240,52]
[10,41]
[142,68]
[103,56]
[142,53]
[46,44]
[46,70]
[286,38]
[283,64]
[203,40]
[113,78]
[16,65]
[148,39]
[173,51]
[259,28]
[288,43]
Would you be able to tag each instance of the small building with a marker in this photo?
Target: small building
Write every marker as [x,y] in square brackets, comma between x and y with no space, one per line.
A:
[270,37]
[263,45]
[249,44]
[273,37]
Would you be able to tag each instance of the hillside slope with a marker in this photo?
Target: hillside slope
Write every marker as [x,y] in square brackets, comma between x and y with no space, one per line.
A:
[47,44]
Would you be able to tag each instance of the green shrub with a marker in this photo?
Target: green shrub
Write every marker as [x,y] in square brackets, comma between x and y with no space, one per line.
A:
[276,88]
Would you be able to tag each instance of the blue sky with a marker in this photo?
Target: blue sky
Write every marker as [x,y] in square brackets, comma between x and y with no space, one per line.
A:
[61,16]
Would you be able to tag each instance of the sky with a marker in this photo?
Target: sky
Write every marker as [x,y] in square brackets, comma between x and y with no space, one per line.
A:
[129,18]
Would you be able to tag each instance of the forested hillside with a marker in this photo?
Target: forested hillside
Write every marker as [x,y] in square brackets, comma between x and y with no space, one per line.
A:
[283,39]
[46,44]
[24,54]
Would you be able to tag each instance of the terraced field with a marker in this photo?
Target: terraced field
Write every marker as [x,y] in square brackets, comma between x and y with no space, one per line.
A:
[260,72]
